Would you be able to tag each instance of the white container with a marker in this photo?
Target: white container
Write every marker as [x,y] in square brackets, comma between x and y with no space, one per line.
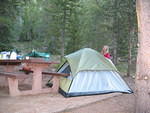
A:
[27,57]
[13,55]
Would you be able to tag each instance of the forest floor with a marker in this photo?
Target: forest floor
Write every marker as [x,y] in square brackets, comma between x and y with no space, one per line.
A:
[56,103]
[124,103]
[119,104]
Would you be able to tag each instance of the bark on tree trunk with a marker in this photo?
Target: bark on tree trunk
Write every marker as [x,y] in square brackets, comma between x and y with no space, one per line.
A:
[143,58]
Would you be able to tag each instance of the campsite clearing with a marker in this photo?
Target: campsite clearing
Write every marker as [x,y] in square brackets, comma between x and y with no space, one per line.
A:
[56,103]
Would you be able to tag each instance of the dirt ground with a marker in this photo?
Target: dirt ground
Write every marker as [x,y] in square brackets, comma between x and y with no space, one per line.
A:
[56,103]
[124,103]
[118,104]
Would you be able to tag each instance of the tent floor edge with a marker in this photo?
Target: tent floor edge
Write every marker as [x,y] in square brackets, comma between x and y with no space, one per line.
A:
[90,93]
[63,93]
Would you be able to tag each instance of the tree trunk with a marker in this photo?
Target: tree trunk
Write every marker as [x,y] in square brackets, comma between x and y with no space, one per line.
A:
[63,35]
[115,32]
[62,43]
[143,58]
[129,38]
[115,52]
[129,55]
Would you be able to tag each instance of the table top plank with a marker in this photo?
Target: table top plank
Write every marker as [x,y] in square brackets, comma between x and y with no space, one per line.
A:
[16,62]
[10,62]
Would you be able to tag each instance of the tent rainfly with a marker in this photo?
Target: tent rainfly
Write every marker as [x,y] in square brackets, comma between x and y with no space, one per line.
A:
[90,73]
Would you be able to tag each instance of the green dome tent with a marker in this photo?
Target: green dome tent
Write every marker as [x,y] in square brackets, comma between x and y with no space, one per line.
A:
[90,73]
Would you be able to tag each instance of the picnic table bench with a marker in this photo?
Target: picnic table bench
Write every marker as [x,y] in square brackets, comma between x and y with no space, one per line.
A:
[13,81]
[29,70]
[46,73]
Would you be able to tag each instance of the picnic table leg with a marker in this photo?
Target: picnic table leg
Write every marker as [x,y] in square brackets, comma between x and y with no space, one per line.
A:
[55,86]
[37,79]
[4,80]
[13,87]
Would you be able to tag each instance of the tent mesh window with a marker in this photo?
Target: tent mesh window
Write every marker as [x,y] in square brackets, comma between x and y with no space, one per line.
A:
[65,69]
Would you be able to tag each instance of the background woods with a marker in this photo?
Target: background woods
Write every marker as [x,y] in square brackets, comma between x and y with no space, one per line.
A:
[63,26]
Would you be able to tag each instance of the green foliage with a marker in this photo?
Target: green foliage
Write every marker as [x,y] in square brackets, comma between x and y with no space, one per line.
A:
[50,25]
[123,66]
[8,11]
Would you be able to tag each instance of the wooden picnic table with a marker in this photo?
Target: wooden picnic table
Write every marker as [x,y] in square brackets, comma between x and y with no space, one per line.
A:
[37,66]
